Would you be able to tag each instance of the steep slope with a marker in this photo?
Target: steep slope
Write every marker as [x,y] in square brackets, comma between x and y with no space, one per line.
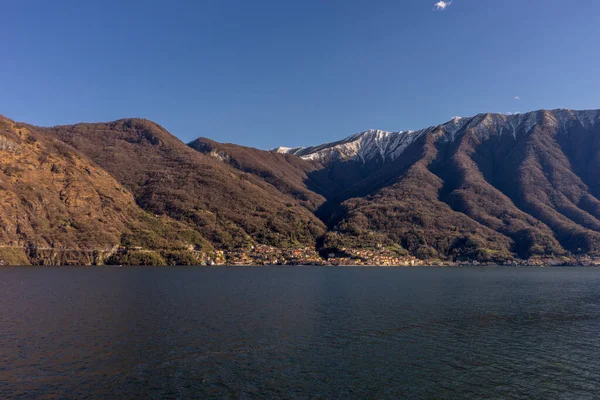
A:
[57,207]
[231,208]
[471,165]
[289,174]
[530,178]
[409,214]
[538,176]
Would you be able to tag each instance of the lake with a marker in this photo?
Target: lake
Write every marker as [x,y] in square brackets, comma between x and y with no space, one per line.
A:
[300,333]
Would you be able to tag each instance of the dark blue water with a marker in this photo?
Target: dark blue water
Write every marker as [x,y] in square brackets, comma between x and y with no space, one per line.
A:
[300,332]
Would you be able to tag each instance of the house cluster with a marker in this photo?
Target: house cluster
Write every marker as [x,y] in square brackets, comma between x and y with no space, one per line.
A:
[269,255]
[589,261]
[379,256]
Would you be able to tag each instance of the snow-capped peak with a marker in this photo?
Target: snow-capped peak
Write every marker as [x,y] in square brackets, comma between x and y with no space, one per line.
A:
[385,146]
[364,146]
[283,150]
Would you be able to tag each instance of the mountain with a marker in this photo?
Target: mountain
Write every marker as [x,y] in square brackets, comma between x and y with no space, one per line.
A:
[287,173]
[484,187]
[58,207]
[368,146]
[490,188]
[230,208]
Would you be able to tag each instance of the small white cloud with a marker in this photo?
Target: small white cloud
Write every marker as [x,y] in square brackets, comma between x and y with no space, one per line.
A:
[442,5]
[517,98]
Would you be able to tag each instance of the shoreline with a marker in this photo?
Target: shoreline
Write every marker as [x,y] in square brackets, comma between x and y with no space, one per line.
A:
[424,266]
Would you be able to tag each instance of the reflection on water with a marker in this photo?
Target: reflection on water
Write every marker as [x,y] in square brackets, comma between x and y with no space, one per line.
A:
[299,333]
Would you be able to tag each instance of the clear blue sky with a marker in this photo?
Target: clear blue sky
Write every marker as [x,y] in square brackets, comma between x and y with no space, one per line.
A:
[293,72]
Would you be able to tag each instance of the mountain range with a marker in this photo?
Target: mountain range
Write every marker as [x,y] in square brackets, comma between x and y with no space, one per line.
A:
[490,188]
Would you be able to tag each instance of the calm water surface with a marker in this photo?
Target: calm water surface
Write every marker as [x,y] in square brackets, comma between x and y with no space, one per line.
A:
[302,332]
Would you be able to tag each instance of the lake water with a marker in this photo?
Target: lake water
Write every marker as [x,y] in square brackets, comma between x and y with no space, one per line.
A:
[299,332]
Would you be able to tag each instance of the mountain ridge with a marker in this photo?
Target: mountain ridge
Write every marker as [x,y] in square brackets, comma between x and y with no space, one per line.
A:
[487,188]
[390,144]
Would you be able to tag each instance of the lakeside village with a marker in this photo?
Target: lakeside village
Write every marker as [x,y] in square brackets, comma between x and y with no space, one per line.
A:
[268,255]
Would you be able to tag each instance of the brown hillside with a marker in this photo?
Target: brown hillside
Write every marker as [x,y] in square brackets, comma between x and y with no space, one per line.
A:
[491,187]
[286,172]
[229,207]
[57,207]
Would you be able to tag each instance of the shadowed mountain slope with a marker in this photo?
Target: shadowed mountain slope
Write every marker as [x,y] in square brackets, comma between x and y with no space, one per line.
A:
[530,179]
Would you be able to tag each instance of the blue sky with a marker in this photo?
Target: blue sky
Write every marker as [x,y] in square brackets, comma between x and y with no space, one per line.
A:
[266,73]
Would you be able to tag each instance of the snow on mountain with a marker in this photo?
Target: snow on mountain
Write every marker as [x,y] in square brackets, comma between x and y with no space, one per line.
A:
[363,146]
[385,146]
